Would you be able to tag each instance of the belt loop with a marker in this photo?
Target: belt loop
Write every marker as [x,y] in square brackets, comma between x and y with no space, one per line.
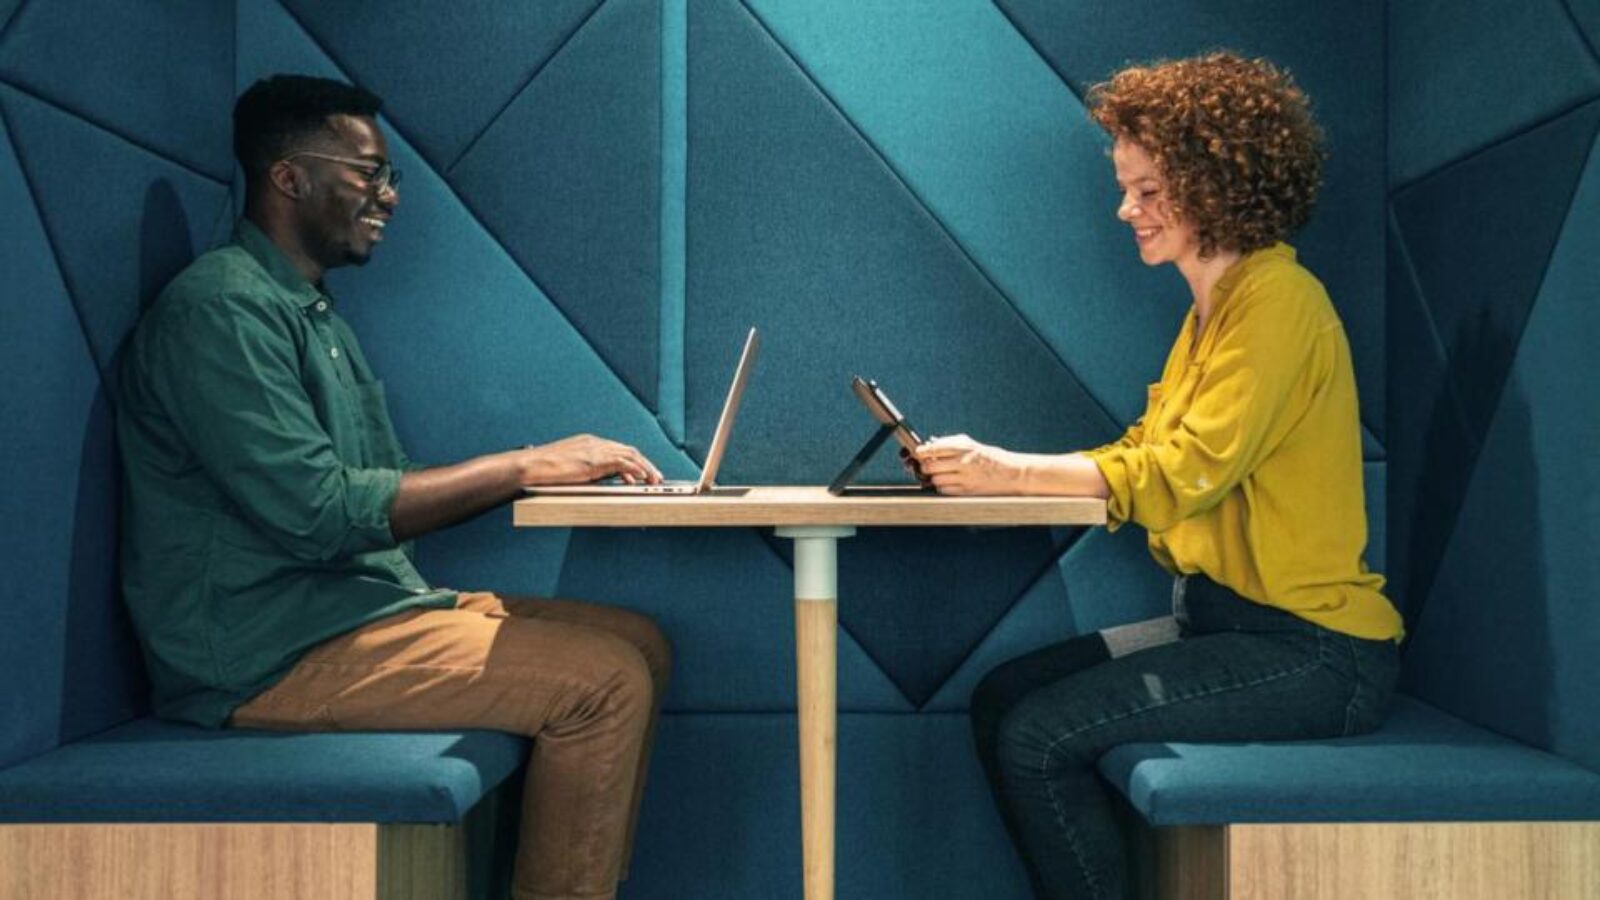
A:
[1180,587]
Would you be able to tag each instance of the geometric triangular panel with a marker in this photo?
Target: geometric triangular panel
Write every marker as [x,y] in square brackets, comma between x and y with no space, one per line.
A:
[965,581]
[123,220]
[417,59]
[1479,234]
[722,591]
[1463,74]
[796,224]
[1042,617]
[158,74]
[1004,157]
[1431,451]
[568,179]
[1509,636]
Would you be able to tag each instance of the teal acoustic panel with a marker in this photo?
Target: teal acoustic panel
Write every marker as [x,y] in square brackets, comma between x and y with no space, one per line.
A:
[52,393]
[1041,616]
[1005,159]
[157,74]
[1112,580]
[1508,636]
[797,225]
[416,56]
[726,601]
[568,180]
[721,814]
[124,232]
[1431,449]
[1464,74]
[1479,282]
[1335,52]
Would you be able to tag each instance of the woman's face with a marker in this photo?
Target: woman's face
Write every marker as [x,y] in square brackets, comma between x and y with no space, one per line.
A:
[1161,237]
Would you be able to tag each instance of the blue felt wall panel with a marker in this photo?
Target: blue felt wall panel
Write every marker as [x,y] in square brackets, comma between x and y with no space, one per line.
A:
[1466,73]
[721,814]
[725,597]
[123,219]
[568,180]
[1004,157]
[417,56]
[154,73]
[1509,633]
[1479,234]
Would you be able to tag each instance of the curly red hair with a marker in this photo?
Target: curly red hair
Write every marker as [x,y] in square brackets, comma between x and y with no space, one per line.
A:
[1234,139]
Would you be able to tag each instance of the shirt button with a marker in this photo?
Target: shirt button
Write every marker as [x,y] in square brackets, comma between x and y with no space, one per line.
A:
[322,306]
[333,352]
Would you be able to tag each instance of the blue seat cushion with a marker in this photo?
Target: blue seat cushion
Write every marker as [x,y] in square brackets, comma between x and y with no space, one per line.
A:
[148,770]
[1422,766]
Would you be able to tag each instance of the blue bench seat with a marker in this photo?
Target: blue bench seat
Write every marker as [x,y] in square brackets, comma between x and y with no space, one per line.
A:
[148,770]
[1424,765]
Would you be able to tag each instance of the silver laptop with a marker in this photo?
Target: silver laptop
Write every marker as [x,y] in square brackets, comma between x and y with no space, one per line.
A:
[719,443]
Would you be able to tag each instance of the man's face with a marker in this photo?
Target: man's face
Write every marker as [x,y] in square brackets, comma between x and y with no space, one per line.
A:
[343,213]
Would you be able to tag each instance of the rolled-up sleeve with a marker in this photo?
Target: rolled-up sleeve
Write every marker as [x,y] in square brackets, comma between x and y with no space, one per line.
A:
[231,385]
[1228,427]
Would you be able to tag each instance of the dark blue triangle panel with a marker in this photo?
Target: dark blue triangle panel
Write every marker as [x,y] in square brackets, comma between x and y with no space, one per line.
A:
[1464,74]
[72,661]
[1479,234]
[1431,449]
[1509,634]
[569,181]
[122,219]
[727,602]
[444,70]
[1335,52]
[796,226]
[157,73]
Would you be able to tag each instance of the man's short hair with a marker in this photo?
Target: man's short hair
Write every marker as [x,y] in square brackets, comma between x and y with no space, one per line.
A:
[276,115]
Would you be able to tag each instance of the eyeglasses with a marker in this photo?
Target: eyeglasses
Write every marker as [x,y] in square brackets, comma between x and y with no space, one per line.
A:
[378,175]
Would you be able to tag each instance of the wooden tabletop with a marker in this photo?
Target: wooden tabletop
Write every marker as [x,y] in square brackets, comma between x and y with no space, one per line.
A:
[793,505]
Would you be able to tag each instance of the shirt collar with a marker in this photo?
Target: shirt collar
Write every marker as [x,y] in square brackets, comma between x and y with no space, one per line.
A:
[255,242]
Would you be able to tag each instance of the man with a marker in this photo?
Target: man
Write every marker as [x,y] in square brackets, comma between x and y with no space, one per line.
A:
[268,504]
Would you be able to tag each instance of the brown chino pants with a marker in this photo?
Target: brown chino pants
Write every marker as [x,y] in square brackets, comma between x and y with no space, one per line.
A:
[583,680]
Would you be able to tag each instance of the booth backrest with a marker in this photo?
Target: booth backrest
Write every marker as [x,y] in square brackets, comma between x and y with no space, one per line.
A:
[1494,305]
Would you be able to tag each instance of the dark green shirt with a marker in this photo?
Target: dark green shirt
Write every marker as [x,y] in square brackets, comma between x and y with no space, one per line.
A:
[260,466]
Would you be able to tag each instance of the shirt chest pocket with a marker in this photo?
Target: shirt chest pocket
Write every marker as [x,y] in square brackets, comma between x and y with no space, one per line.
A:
[1168,403]
[380,446]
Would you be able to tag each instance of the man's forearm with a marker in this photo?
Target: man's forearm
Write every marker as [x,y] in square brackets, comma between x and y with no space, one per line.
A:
[430,499]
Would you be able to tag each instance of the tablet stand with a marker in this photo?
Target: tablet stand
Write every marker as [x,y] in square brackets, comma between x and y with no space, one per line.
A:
[841,484]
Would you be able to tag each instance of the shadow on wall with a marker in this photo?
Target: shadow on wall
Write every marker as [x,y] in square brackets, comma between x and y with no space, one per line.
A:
[1480,644]
[103,680]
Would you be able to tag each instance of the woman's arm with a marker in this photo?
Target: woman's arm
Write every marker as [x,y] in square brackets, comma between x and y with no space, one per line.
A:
[961,465]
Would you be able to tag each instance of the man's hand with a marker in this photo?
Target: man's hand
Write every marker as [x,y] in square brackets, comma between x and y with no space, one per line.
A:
[960,465]
[584,457]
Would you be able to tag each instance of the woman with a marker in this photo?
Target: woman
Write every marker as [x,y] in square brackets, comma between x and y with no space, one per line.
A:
[1245,470]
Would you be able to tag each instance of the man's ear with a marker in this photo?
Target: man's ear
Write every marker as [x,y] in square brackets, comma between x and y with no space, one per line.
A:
[288,179]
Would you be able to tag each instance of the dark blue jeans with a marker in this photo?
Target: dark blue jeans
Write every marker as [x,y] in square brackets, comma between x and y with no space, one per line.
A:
[1240,671]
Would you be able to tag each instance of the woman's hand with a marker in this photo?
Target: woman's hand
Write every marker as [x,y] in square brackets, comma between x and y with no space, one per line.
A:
[960,465]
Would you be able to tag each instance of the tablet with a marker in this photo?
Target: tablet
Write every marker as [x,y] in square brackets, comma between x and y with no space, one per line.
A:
[882,409]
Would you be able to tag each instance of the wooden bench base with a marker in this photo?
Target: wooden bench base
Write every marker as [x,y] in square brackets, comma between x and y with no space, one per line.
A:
[1416,861]
[244,861]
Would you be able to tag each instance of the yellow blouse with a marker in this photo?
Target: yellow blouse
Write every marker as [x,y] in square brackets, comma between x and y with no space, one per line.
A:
[1246,465]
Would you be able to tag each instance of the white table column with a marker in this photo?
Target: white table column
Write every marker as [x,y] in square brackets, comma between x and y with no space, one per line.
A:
[816,636]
